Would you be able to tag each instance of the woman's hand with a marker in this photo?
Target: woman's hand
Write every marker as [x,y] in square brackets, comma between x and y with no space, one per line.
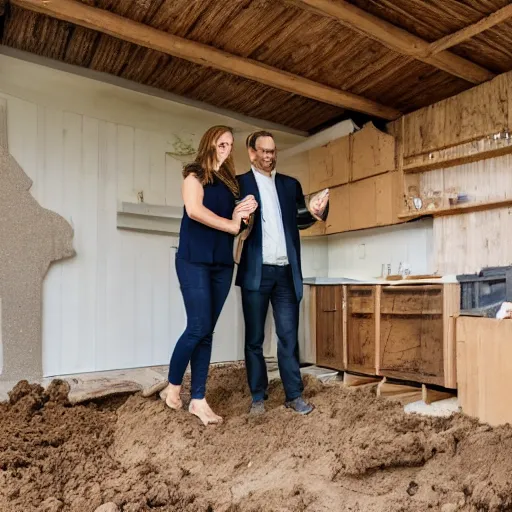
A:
[243,211]
[247,205]
[238,217]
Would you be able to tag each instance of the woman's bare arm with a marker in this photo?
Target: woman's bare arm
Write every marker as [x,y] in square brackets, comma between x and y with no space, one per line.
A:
[193,194]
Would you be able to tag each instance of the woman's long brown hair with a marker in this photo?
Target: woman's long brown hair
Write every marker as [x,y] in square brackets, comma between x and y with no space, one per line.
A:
[206,161]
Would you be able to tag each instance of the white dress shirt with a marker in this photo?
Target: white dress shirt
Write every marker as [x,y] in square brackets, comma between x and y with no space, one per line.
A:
[274,241]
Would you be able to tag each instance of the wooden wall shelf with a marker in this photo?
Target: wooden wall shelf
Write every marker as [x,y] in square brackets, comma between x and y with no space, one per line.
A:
[469,152]
[456,210]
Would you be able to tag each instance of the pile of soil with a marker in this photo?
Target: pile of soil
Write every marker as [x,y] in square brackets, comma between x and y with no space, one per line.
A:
[355,452]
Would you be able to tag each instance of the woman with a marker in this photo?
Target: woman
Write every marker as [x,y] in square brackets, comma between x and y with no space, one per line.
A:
[204,262]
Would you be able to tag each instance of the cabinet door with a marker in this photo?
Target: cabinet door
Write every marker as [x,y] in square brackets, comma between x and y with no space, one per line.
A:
[361,329]
[374,201]
[329,165]
[339,151]
[373,152]
[338,219]
[362,204]
[320,168]
[329,327]
[411,333]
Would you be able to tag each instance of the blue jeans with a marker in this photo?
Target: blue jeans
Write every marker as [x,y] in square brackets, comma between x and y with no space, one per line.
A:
[276,288]
[205,288]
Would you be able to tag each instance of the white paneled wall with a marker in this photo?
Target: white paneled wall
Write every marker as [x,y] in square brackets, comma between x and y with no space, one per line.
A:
[117,303]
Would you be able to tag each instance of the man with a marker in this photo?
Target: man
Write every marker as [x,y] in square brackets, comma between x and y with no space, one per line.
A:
[270,270]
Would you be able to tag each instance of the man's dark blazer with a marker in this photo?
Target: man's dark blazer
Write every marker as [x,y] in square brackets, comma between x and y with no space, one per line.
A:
[295,216]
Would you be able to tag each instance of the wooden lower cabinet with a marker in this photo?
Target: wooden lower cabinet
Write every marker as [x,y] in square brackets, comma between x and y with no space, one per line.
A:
[399,331]
[484,366]
[329,326]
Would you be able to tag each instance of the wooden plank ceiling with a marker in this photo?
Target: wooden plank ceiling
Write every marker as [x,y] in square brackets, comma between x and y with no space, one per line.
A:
[331,47]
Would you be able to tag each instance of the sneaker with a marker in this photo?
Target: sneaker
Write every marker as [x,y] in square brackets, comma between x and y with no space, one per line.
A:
[299,405]
[257,407]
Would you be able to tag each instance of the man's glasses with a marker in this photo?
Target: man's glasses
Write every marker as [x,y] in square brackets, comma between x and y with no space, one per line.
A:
[270,152]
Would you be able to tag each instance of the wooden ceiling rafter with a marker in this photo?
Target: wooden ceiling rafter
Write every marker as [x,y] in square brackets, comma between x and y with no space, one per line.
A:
[470,31]
[103,21]
[395,38]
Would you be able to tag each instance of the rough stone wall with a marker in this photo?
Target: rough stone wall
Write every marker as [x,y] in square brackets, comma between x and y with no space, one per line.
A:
[31,238]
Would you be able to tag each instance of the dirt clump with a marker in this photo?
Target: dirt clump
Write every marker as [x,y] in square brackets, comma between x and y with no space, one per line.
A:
[355,452]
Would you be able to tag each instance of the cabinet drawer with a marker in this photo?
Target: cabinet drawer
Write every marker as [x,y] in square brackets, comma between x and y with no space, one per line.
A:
[412,300]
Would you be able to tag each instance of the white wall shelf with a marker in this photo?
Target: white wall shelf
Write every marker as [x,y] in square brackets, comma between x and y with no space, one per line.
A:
[149,218]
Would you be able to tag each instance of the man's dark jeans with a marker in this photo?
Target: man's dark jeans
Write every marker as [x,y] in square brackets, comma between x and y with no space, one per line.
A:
[276,288]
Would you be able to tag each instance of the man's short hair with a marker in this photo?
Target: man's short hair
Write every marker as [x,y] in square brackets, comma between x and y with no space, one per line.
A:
[254,136]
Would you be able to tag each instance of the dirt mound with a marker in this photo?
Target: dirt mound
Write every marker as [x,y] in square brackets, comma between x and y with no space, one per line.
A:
[354,452]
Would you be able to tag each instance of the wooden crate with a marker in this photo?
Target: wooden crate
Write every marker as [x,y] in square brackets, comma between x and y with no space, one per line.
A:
[416,340]
[361,328]
[484,366]
[329,326]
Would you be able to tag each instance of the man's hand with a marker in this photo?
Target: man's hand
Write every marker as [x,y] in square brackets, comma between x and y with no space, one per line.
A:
[318,203]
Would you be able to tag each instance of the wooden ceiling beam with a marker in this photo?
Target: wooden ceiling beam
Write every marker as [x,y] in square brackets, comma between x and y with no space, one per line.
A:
[395,38]
[125,29]
[470,31]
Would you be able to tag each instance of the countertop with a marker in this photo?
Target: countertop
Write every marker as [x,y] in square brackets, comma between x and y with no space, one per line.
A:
[322,281]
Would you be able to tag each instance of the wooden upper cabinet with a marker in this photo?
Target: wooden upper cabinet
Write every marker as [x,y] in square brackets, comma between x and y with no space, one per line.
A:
[471,115]
[374,201]
[359,170]
[373,152]
[363,204]
[329,165]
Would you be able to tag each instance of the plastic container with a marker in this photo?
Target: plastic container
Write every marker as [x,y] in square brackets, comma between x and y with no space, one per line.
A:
[482,294]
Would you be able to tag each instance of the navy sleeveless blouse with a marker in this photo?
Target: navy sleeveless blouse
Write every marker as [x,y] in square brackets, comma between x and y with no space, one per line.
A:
[201,244]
